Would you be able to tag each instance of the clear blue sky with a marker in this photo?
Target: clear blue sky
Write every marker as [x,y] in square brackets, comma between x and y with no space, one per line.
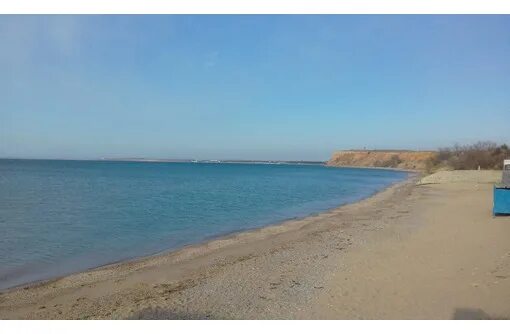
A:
[261,87]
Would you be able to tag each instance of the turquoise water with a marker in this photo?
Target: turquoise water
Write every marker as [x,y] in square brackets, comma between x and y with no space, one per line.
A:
[58,217]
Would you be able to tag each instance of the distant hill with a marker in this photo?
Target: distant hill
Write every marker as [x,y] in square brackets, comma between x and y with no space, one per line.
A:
[415,160]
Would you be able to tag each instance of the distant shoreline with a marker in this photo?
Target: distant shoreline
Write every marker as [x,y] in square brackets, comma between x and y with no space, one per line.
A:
[205,161]
[246,162]
[415,171]
[243,162]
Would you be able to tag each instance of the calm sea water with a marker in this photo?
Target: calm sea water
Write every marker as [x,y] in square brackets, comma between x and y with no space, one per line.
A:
[57,217]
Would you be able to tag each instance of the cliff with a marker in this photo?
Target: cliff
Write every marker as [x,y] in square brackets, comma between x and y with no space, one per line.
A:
[389,159]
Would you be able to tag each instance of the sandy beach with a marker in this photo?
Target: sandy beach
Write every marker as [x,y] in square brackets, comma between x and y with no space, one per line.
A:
[414,251]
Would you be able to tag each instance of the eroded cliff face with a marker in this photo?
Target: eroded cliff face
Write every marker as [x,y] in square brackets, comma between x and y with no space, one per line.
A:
[415,160]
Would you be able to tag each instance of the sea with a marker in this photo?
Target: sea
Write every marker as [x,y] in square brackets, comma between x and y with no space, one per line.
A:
[61,216]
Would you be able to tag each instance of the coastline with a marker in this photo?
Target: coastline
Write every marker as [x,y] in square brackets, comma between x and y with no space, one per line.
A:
[212,243]
[123,269]
[451,254]
[416,171]
[179,161]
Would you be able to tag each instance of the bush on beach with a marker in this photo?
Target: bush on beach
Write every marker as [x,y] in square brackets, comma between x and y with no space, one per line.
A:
[483,155]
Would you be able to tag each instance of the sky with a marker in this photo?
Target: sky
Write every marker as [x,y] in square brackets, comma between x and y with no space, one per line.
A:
[249,87]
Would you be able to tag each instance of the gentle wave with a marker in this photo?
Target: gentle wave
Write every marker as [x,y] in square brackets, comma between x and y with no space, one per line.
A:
[58,217]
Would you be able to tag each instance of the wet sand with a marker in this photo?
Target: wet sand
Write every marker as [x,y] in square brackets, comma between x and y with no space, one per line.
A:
[430,251]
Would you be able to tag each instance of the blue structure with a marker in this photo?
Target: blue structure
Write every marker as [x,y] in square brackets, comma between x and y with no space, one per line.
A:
[502,192]
[501,200]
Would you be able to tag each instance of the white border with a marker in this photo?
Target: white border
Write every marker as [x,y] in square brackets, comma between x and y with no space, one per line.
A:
[255,7]
[253,327]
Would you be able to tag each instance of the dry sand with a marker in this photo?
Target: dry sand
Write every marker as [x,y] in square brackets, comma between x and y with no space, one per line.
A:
[430,251]
[463,176]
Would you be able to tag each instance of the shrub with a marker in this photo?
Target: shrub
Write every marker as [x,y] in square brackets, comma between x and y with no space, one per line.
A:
[486,155]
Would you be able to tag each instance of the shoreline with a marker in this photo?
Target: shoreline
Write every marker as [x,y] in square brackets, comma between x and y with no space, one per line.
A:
[227,238]
[415,171]
[452,259]
[180,161]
